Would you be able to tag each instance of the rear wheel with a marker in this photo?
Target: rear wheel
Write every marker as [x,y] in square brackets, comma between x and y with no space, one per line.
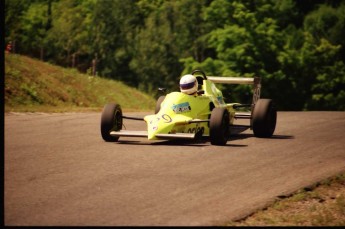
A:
[158,103]
[264,118]
[219,126]
[111,120]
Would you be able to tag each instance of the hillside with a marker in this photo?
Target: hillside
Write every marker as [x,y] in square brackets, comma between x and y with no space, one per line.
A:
[32,85]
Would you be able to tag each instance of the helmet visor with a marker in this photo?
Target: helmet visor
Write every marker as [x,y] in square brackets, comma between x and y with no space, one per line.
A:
[187,85]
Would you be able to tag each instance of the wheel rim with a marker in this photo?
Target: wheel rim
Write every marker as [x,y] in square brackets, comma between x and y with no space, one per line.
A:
[271,120]
[117,122]
[225,125]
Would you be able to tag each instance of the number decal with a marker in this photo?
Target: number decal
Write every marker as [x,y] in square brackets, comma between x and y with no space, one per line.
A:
[166,118]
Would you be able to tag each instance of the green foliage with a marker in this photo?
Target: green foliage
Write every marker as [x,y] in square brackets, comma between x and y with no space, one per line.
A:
[34,27]
[166,38]
[14,10]
[296,47]
[254,42]
[70,33]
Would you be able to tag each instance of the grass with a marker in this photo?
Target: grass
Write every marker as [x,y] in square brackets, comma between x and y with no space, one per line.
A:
[35,86]
[322,204]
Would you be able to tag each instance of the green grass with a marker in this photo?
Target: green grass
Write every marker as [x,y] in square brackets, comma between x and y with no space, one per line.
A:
[35,86]
[323,204]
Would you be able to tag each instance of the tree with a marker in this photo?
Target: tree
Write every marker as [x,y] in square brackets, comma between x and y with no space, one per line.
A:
[69,37]
[14,11]
[171,31]
[296,47]
[252,38]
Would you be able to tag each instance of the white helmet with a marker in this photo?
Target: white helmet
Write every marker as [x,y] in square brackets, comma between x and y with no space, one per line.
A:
[188,84]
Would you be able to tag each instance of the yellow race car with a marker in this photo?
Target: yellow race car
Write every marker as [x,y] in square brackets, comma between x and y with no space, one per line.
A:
[204,113]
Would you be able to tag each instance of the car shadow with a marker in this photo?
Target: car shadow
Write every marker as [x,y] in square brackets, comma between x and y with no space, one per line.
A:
[244,136]
[283,137]
[204,141]
[240,136]
[176,142]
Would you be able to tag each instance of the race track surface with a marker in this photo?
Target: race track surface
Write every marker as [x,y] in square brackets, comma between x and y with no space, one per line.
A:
[59,171]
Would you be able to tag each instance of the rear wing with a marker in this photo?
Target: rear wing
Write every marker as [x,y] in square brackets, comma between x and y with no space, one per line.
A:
[255,81]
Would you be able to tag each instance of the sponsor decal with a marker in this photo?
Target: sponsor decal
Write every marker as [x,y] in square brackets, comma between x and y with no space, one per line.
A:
[181,108]
[220,99]
[196,130]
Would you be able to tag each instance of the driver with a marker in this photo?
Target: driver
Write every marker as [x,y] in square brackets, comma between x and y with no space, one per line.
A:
[189,84]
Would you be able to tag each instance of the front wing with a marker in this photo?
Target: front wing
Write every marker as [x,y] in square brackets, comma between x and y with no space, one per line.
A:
[234,129]
[132,133]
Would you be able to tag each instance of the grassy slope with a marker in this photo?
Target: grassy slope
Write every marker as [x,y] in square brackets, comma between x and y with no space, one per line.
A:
[32,85]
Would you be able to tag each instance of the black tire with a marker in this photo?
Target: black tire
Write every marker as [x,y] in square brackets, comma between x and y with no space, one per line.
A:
[111,120]
[264,118]
[158,103]
[219,126]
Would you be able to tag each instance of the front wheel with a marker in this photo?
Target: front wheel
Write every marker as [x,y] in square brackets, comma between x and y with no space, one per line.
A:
[219,126]
[111,120]
[264,118]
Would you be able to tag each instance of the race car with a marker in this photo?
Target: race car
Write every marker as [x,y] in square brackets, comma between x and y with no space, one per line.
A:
[204,114]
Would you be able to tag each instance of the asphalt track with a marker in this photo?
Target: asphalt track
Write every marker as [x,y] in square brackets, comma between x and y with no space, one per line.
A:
[59,171]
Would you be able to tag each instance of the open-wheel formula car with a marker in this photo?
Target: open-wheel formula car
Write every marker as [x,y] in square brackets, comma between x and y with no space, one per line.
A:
[204,114]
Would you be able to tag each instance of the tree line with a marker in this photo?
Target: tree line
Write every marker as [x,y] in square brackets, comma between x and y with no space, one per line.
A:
[296,47]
